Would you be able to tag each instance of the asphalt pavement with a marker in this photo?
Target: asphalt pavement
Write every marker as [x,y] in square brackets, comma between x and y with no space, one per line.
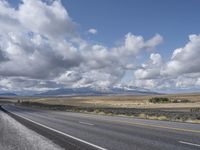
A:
[88,131]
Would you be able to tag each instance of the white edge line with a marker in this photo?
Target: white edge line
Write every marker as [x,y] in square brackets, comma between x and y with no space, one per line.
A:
[70,136]
[90,124]
[189,143]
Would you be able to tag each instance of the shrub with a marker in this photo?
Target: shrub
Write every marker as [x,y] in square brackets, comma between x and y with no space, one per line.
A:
[159,100]
[194,110]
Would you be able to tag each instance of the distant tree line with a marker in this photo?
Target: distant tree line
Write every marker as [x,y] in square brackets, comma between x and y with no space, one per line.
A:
[167,100]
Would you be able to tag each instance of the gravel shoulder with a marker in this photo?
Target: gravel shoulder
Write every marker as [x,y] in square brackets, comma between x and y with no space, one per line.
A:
[15,136]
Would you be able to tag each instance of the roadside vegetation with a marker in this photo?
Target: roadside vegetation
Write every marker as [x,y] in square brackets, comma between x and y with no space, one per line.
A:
[146,113]
[195,110]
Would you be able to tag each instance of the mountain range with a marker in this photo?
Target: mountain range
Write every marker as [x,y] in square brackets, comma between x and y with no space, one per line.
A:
[8,94]
[87,91]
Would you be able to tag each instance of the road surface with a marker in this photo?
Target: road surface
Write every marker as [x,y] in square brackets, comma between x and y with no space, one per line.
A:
[88,131]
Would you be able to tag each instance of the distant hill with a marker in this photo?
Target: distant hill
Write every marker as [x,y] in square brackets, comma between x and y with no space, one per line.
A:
[8,94]
[90,91]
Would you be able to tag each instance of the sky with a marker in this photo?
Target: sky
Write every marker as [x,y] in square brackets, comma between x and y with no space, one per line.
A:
[148,44]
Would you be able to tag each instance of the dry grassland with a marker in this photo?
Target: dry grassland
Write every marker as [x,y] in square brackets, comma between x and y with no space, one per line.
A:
[123,101]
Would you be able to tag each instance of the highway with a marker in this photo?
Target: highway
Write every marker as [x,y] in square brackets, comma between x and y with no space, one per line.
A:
[88,131]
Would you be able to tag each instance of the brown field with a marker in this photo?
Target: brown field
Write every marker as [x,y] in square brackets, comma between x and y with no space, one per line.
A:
[123,101]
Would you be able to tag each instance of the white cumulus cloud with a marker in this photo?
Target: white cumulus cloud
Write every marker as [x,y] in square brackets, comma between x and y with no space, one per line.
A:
[40,49]
[92,31]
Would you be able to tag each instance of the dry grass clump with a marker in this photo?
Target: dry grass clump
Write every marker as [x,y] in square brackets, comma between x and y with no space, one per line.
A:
[195,110]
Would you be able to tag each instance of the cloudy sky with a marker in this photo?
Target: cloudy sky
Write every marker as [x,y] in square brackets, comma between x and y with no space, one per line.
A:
[49,44]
